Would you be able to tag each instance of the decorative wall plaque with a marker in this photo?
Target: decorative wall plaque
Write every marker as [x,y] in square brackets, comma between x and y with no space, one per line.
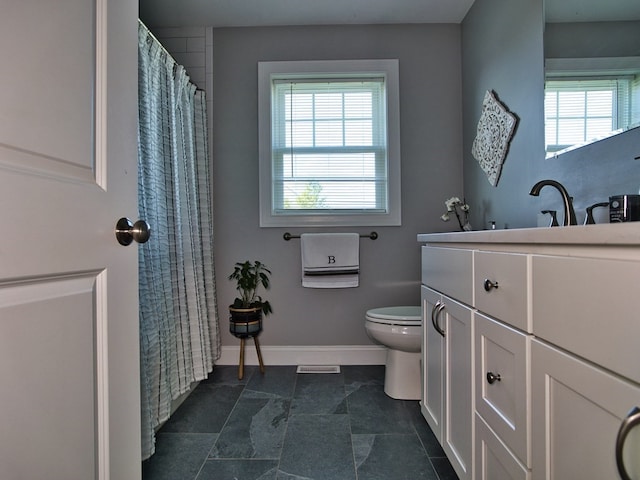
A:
[495,129]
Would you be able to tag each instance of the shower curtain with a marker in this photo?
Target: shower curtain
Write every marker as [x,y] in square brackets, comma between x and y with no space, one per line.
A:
[179,332]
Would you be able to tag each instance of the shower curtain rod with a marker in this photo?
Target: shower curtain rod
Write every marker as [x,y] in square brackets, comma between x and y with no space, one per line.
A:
[162,47]
[168,54]
[287,236]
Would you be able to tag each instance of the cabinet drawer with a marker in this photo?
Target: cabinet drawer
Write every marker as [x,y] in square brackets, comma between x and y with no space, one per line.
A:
[502,400]
[493,458]
[508,299]
[589,307]
[449,270]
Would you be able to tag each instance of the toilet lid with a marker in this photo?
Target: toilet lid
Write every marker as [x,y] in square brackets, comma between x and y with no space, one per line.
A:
[404,315]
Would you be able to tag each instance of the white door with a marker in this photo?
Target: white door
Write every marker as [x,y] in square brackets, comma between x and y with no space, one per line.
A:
[69,370]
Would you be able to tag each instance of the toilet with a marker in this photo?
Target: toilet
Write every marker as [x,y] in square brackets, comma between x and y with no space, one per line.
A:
[400,330]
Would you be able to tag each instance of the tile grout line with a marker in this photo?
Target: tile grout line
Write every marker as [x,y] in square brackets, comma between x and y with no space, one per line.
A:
[433,467]
[284,434]
[206,459]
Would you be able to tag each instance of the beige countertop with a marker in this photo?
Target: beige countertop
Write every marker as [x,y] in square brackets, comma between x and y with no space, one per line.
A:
[623,234]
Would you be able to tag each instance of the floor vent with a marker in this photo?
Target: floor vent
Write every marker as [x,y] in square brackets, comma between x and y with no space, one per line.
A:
[318,369]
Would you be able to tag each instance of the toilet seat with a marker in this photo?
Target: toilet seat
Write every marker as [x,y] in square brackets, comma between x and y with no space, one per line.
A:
[403,315]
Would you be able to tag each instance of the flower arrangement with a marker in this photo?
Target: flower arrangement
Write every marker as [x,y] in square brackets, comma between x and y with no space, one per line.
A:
[453,204]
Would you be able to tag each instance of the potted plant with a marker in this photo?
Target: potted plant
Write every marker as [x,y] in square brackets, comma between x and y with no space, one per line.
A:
[247,309]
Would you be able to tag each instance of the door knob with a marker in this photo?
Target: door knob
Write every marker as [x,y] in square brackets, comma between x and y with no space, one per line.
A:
[126,231]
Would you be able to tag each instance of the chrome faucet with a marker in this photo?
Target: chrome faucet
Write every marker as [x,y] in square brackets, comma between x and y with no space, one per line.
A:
[569,212]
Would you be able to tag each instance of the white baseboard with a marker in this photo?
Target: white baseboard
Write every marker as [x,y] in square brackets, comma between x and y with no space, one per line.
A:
[305,355]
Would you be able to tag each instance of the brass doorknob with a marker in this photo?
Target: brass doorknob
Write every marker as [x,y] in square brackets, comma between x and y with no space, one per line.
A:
[127,231]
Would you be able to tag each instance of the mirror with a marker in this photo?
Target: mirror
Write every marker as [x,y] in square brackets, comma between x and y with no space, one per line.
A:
[592,71]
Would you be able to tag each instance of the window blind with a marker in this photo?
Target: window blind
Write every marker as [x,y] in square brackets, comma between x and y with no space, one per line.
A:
[580,110]
[329,145]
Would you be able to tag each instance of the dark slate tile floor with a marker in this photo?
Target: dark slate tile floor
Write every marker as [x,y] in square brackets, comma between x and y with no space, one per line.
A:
[288,426]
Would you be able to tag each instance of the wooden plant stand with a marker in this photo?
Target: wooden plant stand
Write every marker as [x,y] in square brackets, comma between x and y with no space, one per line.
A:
[245,323]
[241,363]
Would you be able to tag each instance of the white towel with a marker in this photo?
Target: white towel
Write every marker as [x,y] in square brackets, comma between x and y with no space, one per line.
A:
[330,260]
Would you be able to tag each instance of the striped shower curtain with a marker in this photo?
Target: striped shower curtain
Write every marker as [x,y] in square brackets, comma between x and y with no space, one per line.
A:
[179,333]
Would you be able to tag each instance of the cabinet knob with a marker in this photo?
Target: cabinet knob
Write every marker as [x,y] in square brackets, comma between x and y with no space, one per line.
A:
[492,378]
[488,285]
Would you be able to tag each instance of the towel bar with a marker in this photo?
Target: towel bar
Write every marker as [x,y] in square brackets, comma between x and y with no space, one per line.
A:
[287,236]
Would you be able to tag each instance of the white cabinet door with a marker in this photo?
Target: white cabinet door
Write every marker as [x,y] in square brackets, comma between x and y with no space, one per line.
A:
[69,364]
[448,385]
[432,402]
[577,412]
[459,387]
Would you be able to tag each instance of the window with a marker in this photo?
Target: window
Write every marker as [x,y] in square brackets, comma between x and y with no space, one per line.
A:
[329,143]
[577,111]
[588,99]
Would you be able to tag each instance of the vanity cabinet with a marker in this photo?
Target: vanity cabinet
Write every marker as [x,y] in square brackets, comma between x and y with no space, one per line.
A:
[447,354]
[556,341]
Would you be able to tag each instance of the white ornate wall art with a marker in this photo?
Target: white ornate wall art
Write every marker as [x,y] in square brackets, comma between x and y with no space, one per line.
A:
[495,129]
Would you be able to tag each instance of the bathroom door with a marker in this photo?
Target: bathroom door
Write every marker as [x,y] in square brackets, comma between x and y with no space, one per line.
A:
[69,371]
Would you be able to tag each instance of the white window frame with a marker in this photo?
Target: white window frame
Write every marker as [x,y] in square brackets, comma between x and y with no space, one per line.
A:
[267,72]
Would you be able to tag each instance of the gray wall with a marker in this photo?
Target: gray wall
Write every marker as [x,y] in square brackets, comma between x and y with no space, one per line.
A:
[502,51]
[431,140]
[489,51]
[506,55]
[592,39]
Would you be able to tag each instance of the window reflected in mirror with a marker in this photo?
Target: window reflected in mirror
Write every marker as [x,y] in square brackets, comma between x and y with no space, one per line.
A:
[587,100]
[592,71]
